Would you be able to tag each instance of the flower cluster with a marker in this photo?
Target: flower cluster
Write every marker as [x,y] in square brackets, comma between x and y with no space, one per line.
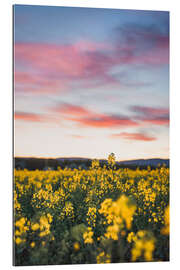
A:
[21,229]
[91,216]
[165,229]
[144,245]
[119,213]
[103,258]
[115,214]
[87,236]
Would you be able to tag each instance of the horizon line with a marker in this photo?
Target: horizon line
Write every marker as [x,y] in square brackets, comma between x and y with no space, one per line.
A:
[70,157]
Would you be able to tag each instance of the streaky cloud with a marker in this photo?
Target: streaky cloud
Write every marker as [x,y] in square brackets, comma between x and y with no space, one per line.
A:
[33,117]
[133,136]
[151,115]
[88,118]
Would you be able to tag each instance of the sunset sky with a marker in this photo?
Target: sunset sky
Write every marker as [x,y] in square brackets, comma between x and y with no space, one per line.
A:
[88,82]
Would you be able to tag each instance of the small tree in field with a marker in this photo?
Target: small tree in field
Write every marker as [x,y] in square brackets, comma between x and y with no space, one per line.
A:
[111,160]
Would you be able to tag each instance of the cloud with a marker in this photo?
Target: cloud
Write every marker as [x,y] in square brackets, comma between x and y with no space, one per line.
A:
[37,83]
[155,116]
[150,110]
[34,117]
[84,62]
[140,44]
[72,61]
[87,64]
[133,136]
[72,110]
[106,121]
[88,118]
[157,121]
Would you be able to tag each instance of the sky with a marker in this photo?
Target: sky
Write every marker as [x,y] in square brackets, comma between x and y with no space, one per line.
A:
[89,82]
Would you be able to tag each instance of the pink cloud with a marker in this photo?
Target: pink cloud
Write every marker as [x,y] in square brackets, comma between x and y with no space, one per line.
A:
[31,79]
[55,67]
[106,121]
[85,59]
[163,42]
[88,118]
[87,45]
[37,80]
[58,66]
[67,60]
[153,57]
[37,83]
[155,116]
[157,121]
[34,117]
[150,110]
[72,110]
[133,136]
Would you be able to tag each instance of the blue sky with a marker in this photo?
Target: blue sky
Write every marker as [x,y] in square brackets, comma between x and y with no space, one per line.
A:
[89,82]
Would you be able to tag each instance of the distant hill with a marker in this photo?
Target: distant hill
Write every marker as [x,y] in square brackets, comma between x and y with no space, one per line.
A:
[146,162]
[85,163]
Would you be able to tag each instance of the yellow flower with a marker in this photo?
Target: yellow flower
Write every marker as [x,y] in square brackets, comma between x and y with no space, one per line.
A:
[148,256]
[20,222]
[144,244]
[18,240]
[165,230]
[17,232]
[76,246]
[141,233]
[136,253]
[112,232]
[103,258]
[35,227]
[52,238]
[91,216]
[139,244]
[87,236]
[118,213]
[50,218]
[88,240]
[111,159]
[32,244]
[131,237]
[95,164]
[149,245]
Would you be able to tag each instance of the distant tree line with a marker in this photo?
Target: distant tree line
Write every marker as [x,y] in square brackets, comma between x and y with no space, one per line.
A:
[53,164]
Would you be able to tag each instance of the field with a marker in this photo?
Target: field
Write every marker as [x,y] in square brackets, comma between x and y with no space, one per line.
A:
[98,215]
